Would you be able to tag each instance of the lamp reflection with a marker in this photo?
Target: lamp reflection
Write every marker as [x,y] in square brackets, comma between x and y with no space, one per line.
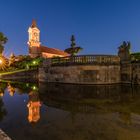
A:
[1,94]
[33,105]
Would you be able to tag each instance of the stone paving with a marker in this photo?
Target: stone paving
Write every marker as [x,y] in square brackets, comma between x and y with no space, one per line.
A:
[3,136]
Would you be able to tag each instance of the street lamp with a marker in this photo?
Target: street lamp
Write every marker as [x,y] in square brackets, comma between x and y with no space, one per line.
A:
[34,62]
[1,61]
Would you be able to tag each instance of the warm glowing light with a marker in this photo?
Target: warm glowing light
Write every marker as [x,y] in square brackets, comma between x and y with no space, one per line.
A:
[1,94]
[1,61]
[27,84]
[34,62]
[34,88]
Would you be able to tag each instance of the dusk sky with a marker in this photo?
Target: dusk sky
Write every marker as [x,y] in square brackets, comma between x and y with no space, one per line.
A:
[99,26]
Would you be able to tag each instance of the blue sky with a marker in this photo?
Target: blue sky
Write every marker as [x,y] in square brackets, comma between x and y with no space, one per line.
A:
[98,25]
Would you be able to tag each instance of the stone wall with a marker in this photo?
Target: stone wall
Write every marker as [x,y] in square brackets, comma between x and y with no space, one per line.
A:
[126,72]
[130,72]
[82,74]
[135,73]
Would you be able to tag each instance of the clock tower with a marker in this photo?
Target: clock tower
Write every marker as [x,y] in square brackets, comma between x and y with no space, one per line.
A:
[34,40]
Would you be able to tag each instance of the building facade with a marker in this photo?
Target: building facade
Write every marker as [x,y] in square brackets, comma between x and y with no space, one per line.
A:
[38,50]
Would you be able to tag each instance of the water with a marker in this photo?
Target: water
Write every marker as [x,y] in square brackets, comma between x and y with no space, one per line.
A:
[31,111]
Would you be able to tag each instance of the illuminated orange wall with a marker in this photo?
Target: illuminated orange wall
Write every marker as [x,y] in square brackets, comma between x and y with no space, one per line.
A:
[49,55]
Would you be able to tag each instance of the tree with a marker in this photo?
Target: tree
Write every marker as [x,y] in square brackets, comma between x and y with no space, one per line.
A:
[12,59]
[135,56]
[73,49]
[3,40]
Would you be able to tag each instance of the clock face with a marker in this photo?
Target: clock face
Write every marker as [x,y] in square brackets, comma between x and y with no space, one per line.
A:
[35,34]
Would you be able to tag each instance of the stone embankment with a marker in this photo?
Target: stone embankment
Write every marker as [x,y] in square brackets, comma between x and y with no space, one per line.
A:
[81,74]
[4,136]
[26,75]
[93,69]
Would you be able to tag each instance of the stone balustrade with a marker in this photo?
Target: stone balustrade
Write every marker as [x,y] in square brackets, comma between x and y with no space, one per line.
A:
[86,59]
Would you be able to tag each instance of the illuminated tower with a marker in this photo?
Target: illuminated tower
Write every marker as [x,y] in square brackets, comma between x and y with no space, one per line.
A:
[34,40]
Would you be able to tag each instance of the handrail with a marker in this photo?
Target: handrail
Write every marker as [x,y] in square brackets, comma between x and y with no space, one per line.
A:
[85,59]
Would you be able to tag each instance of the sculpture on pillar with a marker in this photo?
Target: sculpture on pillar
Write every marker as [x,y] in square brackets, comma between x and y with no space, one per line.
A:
[124,51]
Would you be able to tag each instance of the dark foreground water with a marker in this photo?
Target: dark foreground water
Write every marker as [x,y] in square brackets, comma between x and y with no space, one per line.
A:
[69,112]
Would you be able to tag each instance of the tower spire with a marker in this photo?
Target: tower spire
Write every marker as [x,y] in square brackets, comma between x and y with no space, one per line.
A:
[33,23]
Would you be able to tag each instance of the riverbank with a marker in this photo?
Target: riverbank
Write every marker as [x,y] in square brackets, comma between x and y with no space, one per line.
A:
[4,136]
[20,75]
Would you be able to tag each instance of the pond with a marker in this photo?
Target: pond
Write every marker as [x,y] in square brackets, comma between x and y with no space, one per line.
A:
[37,111]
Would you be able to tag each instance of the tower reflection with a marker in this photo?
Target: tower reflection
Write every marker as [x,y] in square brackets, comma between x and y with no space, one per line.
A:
[33,105]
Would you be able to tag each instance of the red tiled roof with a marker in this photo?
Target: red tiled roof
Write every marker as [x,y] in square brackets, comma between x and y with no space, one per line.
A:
[53,51]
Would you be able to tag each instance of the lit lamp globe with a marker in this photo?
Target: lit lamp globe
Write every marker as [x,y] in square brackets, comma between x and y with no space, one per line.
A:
[3,63]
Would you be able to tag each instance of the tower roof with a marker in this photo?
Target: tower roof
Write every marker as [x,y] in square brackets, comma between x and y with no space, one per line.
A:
[33,24]
[45,49]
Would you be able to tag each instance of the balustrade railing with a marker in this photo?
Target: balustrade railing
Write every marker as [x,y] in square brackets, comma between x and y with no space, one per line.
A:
[85,59]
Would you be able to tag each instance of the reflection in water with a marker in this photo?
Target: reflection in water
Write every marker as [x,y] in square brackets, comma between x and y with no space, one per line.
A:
[3,111]
[2,88]
[125,117]
[10,89]
[33,104]
[1,94]
[34,107]
[65,112]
